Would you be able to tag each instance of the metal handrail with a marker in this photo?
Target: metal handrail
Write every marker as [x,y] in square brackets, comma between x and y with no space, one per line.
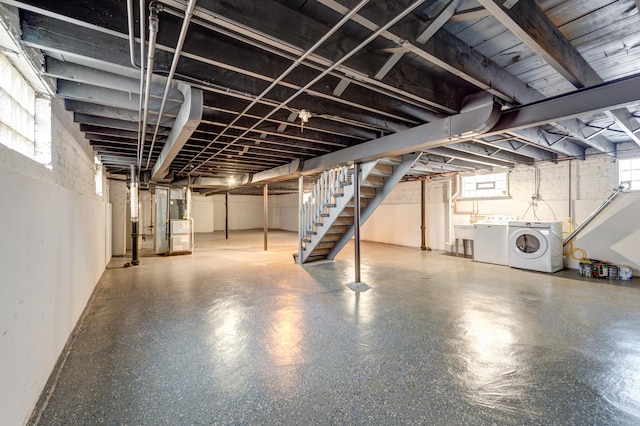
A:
[323,193]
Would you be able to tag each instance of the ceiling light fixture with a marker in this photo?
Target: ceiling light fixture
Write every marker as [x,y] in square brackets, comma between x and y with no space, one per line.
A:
[304,116]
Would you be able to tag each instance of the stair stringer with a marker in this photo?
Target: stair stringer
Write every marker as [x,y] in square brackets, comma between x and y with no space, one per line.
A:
[390,182]
[322,228]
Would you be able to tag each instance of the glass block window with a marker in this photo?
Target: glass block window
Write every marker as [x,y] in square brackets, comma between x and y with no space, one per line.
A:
[629,172]
[25,119]
[495,185]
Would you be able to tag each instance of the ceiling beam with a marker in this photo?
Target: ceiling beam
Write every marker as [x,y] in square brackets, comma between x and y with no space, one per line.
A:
[478,118]
[529,23]
[186,123]
[517,146]
[446,151]
[458,58]
[613,95]
[493,152]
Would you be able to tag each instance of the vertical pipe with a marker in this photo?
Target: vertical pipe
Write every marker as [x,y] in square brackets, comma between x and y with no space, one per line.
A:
[300,217]
[570,195]
[356,218]
[226,215]
[134,216]
[266,216]
[423,214]
[151,56]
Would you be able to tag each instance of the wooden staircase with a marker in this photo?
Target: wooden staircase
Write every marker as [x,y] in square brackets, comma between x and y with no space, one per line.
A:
[327,218]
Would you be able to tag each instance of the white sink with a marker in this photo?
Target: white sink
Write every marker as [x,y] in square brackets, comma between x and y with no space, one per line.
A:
[463,232]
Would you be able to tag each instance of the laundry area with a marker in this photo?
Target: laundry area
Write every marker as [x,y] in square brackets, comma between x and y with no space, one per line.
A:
[320,212]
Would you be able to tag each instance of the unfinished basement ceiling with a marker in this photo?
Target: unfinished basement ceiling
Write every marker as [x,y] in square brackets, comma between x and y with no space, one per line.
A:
[249,71]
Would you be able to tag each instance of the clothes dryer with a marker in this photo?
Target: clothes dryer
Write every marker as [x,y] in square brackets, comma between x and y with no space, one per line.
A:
[536,246]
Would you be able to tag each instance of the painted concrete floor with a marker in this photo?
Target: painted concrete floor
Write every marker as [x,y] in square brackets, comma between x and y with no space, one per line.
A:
[236,335]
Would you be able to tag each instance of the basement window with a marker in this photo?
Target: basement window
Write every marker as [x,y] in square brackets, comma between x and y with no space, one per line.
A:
[25,118]
[629,172]
[494,185]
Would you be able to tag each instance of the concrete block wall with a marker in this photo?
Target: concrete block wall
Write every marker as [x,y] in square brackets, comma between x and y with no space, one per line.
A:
[55,248]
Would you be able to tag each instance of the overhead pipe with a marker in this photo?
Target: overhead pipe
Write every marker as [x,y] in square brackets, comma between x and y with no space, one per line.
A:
[616,192]
[336,64]
[133,59]
[234,30]
[275,82]
[151,56]
[172,72]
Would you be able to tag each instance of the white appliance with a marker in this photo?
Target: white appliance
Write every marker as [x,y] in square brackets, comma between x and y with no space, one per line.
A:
[536,246]
[490,242]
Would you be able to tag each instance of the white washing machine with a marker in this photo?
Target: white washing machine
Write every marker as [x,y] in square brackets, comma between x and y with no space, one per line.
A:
[491,240]
[536,246]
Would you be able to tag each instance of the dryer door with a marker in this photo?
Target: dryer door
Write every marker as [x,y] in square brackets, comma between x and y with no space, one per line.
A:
[529,243]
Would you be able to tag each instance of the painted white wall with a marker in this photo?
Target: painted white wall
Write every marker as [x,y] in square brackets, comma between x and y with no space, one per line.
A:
[283,212]
[202,213]
[53,251]
[245,212]
[118,196]
[613,238]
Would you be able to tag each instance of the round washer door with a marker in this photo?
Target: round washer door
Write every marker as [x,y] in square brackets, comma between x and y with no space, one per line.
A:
[528,243]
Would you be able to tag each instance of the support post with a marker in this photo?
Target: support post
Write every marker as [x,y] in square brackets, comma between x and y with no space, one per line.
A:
[226,215]
[266,216]
[356,218]
[134,216]
[300,221]
[423,214]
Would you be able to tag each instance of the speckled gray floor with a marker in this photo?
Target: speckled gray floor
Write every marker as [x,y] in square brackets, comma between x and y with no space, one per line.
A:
[236,335]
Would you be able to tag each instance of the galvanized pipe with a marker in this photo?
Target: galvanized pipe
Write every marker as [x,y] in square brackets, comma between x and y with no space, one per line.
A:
[279,79]
[336,64]
[620,189]
[174,65]
[151,56]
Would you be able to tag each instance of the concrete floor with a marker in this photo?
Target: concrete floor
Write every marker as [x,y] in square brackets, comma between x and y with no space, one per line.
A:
[236,335]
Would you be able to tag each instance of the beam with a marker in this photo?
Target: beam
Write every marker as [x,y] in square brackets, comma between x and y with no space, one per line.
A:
[538,137]
[617,94]
[519,147]
[445,151]
[492,152]
[186,123]
[478,117]
[527,21]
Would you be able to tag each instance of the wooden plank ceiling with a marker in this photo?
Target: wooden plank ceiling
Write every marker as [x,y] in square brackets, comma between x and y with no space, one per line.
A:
[361,69]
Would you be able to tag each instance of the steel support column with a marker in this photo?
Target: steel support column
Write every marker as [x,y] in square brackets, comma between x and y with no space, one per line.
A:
[266,216]
[423,214]
[300,221]
[134,216]
[226,215]
[356,219]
